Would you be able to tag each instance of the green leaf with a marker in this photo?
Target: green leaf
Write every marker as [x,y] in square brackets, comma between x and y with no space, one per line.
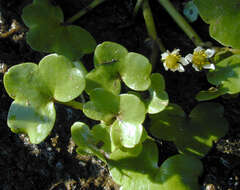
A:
[193,134]
[210,94]
[103,105]
[127,130]
[34,89]
[85,140]
[48,34]
[222,15]
[109,53]
[158,96]
[139,172]
[63,79]
[35,120]
[103,77]
[135,70]
[180,172]
[227,74]
[23,81]
[126,134]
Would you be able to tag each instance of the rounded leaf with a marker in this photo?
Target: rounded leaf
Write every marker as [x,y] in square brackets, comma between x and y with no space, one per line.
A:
[194,134]
[210,94]
[103,77]
[48,34]
[126,134]
[222,15]
[180,172]
[103,105]
[158,96]
[36,121]
[109,53]
[131,110]
[135,70]
[63,79]
[137,172]
[227,74]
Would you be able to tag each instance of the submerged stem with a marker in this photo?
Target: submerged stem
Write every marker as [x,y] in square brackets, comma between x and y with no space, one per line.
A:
[182,23]
[137,6]
[84,11]
[151,28]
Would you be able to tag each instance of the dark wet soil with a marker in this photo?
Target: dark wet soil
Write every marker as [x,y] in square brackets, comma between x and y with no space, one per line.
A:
[54,164]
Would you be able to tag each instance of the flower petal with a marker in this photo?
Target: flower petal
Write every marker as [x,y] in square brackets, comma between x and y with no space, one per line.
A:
[180,68]
[195,67]
[165,66]
[209,66]
[164,55]
[189,57]
[198,48]
[175,51]
[184,61]
[210,52]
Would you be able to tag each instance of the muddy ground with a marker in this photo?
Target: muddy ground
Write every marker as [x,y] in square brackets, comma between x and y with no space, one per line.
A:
[53,164]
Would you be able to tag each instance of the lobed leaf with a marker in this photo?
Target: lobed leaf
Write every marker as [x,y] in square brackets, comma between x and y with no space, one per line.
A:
[222,15]
[158,96]
[227,74]
[61,77]
[179,172]
[37,121]
[35,88]
[103,105]
[193,134]
[48,34]
[135,70]
[112,63]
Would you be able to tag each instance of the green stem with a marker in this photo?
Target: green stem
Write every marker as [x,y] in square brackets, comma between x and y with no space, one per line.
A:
[151,28]
[182,23]
[137,6]
[74,104]
[84,11]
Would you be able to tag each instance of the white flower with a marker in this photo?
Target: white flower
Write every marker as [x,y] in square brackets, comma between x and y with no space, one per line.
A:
[200,58]
[173,60]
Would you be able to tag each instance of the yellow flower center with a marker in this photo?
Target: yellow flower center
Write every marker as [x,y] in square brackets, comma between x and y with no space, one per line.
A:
[200,59]
[172,61]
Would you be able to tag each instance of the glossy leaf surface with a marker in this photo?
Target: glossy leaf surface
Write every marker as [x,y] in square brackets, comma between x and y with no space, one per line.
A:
[34,88]
[64,80]
[103,77]
[193,134]
[109,53]
[112,63]
[143,172]
[158,96]
[210,94]
[48,34]
[35,120]
[135,70]
[222,15]
[103,105]
[227,74]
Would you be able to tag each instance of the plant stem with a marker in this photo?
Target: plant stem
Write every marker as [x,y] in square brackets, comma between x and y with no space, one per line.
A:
[151,28]
[84,11]
[137,6]
[182,23]
[74,104]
